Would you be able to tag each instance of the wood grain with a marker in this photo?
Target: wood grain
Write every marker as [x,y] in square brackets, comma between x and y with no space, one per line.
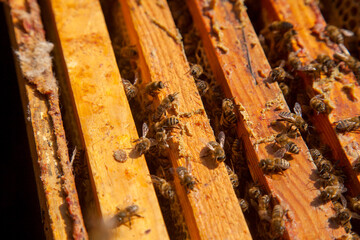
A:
[105,120]
[344,146]
[212,210]
[294,190]
[55,181]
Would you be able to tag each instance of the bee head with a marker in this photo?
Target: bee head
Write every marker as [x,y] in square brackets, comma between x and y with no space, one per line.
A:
[169,193]
[262,163]
[324,195]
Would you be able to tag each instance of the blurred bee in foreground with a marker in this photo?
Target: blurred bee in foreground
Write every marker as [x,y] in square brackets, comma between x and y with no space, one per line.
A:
[164,187]
[295,119]
[186,178]
[143,144]
[284,141]
[348,125]
[277,226]
[317,103]
[124,216]
[276,164]
[164,106]
[215,149]
[154,88]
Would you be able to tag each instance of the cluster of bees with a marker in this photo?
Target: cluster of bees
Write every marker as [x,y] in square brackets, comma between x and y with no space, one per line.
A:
[278,40]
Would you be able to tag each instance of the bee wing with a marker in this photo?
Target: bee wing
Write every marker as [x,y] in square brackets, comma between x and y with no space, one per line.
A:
[297,109]
[347,33]
[282,63]
[221,138]
[281,152]
[207,144]
[344,49]
[153,142]
[145,129]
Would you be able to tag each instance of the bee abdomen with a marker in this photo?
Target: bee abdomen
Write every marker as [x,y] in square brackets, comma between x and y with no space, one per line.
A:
[293,148]
[228,119]
[282,164]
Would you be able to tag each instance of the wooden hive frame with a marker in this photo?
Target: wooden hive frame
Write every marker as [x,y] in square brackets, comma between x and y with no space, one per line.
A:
[90,81]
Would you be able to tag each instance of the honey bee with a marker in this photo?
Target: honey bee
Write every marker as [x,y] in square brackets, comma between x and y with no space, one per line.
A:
[143,144]
[264,208]
[124,216]
[283,140]
[186,178]
[161,137]
[318,104]
[348,125]
[254,192]
[322,164]
[294,60]
[154,88]
[326,62]
[333,193]
[216,151]
[237,150]
[164,105]
[164,187]
[228,116]
[336,35]
[234,179]
[354,203]
[352,62]
[284,89]
[279,74]
[277,226]
[295,119]
[196,70]
[330,179]
[275,164]
[130,89]
[202,87]
[168,122]
[244,205]
[281,26]
[343,215]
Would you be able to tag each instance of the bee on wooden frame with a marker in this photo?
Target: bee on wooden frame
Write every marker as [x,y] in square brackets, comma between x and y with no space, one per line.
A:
[215,149]
[295,119]
[277,164]
[143,144]
[124,216]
